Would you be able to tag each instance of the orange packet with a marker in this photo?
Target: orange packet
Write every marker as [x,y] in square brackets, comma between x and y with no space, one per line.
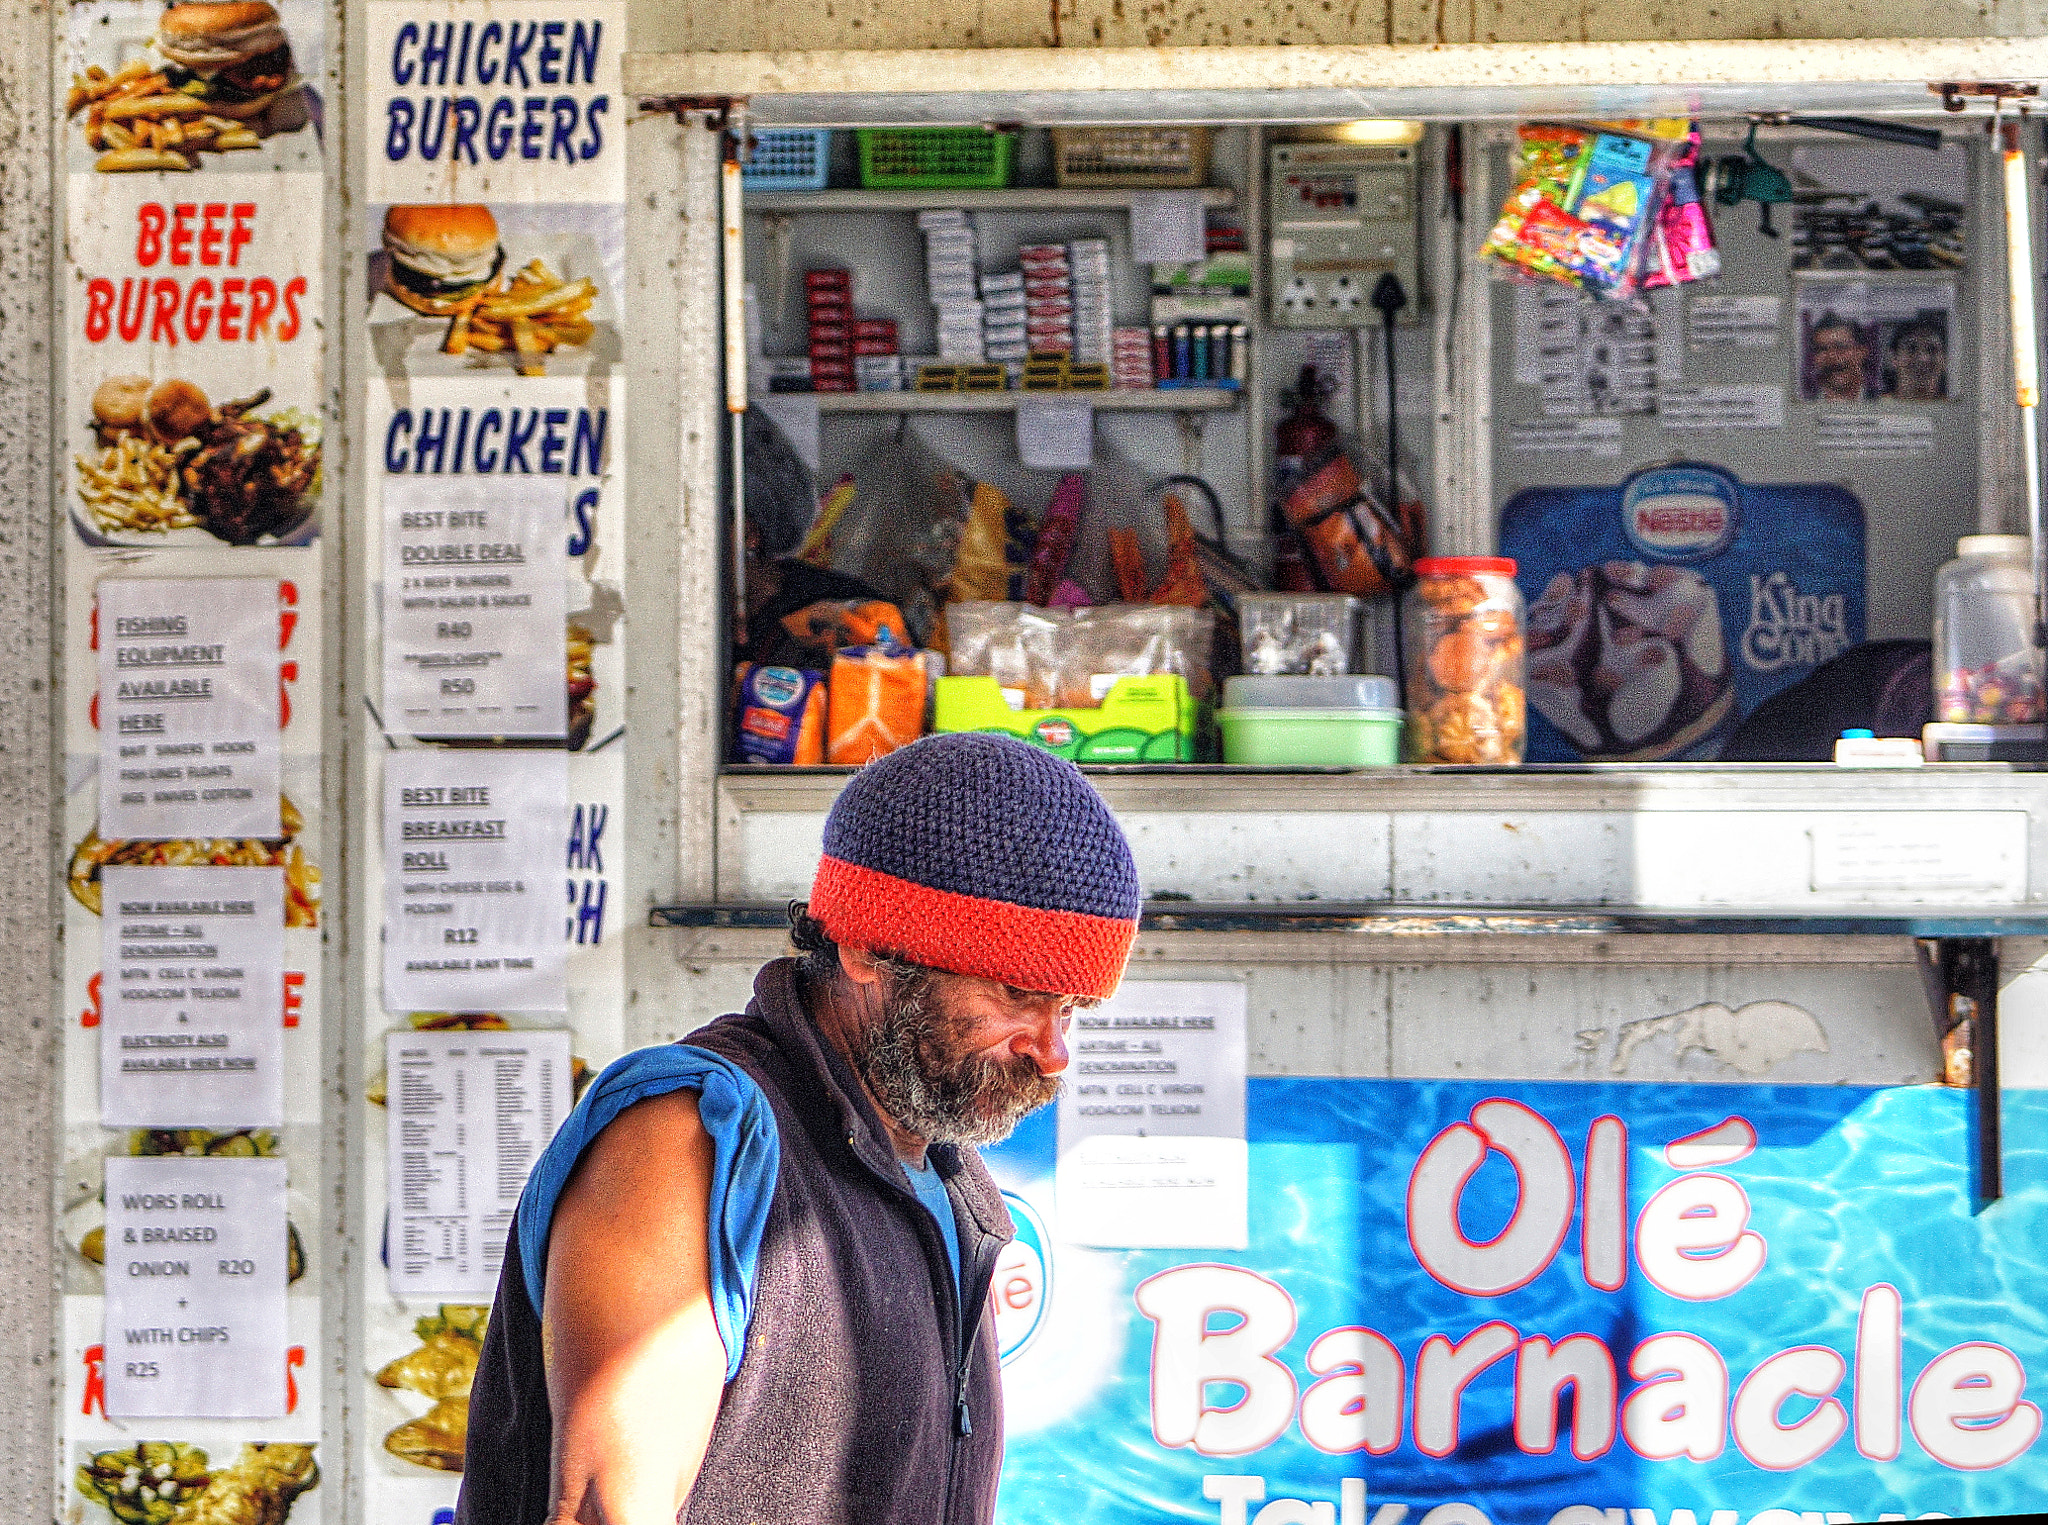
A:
[879,697]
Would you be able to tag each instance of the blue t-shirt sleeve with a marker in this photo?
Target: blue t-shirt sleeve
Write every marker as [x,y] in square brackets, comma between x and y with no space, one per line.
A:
[746,1154]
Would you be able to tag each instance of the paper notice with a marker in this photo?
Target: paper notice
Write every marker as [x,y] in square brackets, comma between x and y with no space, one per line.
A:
[1167,228]
[196,1256]
[469,1113]
[1583,436]
[188,712]
[1589,358]
[474,600]
[1735,407]
[1982,850]
[1154,1193]
[1874,433]
[1743,322]
[1151,1124]
[472,880]
[1055,436]
[192,996]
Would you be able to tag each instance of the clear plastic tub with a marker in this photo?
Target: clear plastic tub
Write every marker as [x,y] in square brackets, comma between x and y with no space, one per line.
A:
[1348,691]
[1303,738]
[1987,670]
[1314,633]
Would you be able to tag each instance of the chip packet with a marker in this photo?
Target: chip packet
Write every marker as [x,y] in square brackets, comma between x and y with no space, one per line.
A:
[780,716]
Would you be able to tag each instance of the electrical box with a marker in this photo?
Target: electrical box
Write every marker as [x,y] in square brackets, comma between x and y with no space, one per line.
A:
[1342,216]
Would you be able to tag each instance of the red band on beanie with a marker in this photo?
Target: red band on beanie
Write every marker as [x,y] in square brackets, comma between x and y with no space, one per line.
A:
[1064,952]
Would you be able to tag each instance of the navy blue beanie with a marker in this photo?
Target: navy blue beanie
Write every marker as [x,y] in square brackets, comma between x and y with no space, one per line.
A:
[983,855]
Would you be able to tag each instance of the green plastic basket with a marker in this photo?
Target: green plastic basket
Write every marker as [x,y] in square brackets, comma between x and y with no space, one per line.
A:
[922,158]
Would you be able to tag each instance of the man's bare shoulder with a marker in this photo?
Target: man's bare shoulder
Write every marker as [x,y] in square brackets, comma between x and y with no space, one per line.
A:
[648,1141]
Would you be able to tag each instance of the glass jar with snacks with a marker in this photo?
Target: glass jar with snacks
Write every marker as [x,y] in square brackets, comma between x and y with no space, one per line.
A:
[1987,670]
[1462,624]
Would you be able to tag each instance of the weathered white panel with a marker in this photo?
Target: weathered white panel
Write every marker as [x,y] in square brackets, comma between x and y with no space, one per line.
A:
[2023,1014]
[1831,1025]
[1483,858]
[1306,856]
[775,857]
[1812,858]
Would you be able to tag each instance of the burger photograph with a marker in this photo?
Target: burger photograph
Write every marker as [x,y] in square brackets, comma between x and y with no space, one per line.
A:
[192,86]
[456,288]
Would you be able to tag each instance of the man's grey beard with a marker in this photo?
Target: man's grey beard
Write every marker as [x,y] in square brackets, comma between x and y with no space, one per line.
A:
[912,1061]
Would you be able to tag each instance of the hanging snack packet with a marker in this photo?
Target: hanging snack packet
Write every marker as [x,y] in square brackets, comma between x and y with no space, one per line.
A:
[1056,540]
[1682,248]
[1552,160]
[781,716]
[1583,209]
[880,695]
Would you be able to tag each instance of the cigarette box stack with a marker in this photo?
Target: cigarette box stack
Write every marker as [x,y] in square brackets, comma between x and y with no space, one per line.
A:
[877,367]
[829,296]
[1048,298]
[1089,261]
[1130,359]
[1003,329]
[950,274]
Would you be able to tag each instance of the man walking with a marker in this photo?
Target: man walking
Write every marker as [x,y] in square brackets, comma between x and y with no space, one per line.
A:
[748,1281]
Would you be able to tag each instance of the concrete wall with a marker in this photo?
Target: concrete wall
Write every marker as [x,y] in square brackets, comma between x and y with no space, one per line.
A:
[28,793]
[735,25]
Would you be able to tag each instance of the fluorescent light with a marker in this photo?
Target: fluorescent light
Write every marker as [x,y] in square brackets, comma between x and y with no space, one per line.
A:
[1380,132]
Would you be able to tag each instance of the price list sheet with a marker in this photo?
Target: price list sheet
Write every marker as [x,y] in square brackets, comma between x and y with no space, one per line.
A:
[472,881]
[474,599]
[192,963]
[469,1115]
[189,707]
[196,1276]
[1151,1123]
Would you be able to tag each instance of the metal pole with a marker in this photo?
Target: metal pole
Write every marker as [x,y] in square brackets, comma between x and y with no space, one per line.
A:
[735,312]
[2026,353]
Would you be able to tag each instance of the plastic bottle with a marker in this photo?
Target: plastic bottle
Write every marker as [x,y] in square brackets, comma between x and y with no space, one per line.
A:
[1987,670]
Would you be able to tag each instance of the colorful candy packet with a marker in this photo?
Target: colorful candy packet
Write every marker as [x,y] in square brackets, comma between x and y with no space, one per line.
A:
[1585,204]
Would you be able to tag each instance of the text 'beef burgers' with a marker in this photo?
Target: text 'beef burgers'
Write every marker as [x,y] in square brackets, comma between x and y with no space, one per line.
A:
[440,257]
[234,56]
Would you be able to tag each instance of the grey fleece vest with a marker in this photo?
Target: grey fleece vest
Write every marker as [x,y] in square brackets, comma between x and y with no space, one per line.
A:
[858,1400]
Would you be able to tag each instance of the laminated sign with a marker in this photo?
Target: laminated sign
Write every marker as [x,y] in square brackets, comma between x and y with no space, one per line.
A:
[1665,609]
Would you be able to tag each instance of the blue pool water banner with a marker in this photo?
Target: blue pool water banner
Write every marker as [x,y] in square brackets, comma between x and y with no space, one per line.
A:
[1482,1303]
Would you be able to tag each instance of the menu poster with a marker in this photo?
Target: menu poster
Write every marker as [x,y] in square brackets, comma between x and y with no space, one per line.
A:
[196,1272]
[192,997]
[511,101]
[188,685]
[474,600]
[1152,1120]
[469,1113]
[472,882]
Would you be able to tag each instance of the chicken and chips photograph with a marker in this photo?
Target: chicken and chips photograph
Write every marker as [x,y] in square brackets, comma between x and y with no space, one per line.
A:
[167,465]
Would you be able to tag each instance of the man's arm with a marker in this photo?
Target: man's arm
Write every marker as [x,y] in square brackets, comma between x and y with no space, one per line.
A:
[635,1365]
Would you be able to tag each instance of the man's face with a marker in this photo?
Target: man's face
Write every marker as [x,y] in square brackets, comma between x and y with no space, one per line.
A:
[1921,358]
[1838,357]
[960,1060]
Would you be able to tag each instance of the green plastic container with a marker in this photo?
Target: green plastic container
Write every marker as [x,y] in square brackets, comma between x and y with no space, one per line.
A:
[926,158]
[1276,738]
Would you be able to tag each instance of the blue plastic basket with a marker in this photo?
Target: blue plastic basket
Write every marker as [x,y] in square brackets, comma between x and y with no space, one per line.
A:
[788,159]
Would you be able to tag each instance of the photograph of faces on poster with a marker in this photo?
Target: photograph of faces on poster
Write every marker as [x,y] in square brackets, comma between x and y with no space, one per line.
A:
[526,290]
[1877,341]
[1879,206]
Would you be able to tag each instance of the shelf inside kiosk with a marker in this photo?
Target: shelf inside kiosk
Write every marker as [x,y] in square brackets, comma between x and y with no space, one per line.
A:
[1604,444]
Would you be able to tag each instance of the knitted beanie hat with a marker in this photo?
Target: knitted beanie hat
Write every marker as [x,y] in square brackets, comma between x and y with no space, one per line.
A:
[983,855]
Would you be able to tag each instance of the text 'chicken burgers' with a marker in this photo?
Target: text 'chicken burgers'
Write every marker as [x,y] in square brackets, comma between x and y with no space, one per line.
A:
[441,257]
